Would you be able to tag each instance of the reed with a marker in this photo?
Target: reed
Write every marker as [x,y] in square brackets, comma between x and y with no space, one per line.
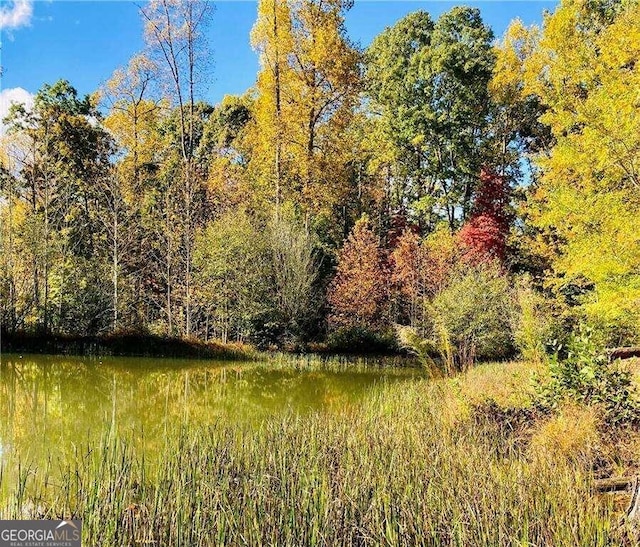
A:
[411,465]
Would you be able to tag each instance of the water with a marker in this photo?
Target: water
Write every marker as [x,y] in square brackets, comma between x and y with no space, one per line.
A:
[51,405]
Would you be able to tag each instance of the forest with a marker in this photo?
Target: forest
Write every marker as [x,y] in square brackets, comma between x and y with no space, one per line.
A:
[442,190]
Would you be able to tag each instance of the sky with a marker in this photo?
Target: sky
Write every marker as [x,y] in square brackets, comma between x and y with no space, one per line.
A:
[43,41]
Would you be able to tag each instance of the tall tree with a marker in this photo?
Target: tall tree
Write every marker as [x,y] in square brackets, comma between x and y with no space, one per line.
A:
[134,112]
[174,33]
[586,72]
[65,154]
[517,132]
[223,155]
[307,92]
[272,38]
[134,120]
[428,83]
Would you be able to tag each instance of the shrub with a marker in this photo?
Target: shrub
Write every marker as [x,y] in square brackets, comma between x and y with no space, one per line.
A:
[584,373]
[470,318]
[294,278]
[532,327]
[256,282]
[475,310]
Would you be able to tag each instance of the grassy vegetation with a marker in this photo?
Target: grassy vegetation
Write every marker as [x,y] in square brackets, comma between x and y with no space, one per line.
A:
[341,362]
[450,462]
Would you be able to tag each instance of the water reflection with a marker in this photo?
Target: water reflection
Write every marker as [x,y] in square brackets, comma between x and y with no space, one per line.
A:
[49,405]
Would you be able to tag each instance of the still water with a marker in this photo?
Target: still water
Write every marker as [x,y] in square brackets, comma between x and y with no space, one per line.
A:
[51,405]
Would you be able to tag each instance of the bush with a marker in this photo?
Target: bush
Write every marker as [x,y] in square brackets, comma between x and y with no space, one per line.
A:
[256,281]
[469,318]
[475,310]
[532,327]
[584,373]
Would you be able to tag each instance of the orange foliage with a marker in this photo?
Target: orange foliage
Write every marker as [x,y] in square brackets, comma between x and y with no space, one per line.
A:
[358,295]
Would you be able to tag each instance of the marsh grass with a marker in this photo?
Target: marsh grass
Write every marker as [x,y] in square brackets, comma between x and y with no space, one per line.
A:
[409,466]
[341,363]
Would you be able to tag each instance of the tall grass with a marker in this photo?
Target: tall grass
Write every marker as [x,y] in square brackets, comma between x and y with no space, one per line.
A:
[340,363]
[410,466]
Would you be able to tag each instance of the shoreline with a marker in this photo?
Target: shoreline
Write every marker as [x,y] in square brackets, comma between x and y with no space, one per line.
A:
[148,345]
[124,345]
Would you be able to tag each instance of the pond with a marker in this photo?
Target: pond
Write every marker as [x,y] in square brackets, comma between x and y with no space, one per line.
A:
[51,405]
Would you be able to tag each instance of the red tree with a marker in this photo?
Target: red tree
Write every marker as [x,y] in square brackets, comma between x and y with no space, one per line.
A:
[484,236]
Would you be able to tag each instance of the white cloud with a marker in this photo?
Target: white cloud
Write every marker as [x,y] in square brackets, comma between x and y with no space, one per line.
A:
[16,14]
[15,95]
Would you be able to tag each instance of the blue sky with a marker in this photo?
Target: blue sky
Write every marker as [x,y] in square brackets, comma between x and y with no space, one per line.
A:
[85,41]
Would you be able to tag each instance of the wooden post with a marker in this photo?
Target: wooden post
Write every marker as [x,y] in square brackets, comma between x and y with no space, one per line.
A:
[633,512]
[623,353]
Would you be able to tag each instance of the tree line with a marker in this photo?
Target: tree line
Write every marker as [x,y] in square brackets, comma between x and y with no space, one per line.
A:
[481,193]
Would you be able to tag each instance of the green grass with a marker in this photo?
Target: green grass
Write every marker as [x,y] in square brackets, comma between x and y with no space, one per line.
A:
[340,363]
[412,465]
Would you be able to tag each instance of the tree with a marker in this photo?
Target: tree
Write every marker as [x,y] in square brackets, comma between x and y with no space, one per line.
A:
[64,153]
[307,91]
[223,155]
[408,260]
[116,219]
[516,129]
[272,38]
[133,117]
[429,84]
[420,269]
[14,269]
[484,236]
[586,73]
[134,120]
[358,295]
[174,32]
[231,272]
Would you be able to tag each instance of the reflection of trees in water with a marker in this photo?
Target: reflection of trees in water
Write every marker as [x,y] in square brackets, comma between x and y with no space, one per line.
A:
[50,404]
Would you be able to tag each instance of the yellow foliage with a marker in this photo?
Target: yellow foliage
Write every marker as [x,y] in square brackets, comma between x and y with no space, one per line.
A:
[506,85]
[307,91]
[133,121]
[587,73]
[571,436]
